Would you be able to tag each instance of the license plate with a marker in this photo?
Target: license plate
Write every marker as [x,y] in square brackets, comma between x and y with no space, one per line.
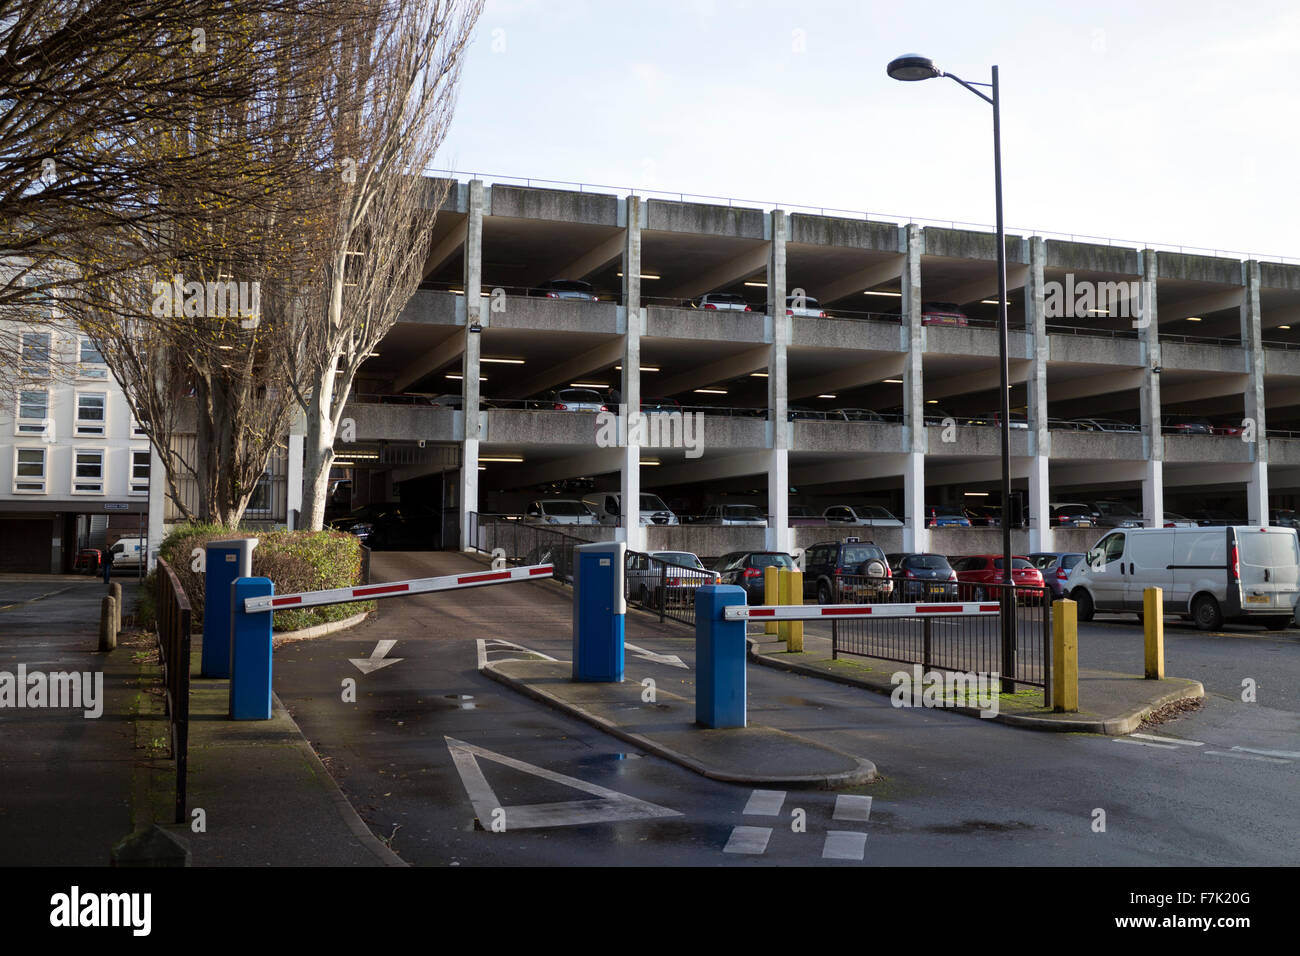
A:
[1257,599]
[936,589]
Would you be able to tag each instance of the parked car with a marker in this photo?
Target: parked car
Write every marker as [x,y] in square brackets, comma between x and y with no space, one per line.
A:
[722,302]
[923,577]
[978,571]
[1072,515]
[861,515]
[854,415]
[565,289]
[1208,575]
[801,413]
[88,560]
[1106,425]
[393,525]
[984,516]
[1186,425]
[943,313]
[857,571]
[748,515]
[747,569]
[1229,429]
[127,553]
[560,511]
[645,574]
[1108,513]
[1179,521]
[809,308]
[946,516]
[579,400]
[1284,517]
[1055,567]
[608,506]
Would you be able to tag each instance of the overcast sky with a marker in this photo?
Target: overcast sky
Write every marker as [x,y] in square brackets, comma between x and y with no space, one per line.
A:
[1171,123]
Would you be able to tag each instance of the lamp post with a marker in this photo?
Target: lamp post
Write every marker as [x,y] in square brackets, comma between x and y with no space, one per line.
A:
[910,68]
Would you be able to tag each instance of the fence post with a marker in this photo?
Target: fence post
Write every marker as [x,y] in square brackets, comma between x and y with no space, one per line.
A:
[250,651]
[1153,626]
[662,590]
[1065,675]
[925,642]
[771,594]
[1049,612]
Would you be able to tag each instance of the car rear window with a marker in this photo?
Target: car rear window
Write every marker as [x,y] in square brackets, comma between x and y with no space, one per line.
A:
[856,554]
[570,285]
[678,557]
[730,297]
[1273,549]
[927,562]
[581,396]
[1016,564]
[771,561]
[1070,560]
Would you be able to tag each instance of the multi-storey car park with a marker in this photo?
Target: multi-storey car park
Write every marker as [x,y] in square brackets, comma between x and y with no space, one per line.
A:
[1213,340]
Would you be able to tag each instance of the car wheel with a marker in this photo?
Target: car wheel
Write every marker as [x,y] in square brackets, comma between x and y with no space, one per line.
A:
[1206,613]
[1278,623]
[823,593]
[1084,601]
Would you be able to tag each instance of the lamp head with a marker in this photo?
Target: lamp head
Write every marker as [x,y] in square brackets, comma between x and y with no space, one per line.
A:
[911,67]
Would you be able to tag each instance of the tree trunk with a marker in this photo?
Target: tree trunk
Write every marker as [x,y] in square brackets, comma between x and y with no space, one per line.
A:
[318,451]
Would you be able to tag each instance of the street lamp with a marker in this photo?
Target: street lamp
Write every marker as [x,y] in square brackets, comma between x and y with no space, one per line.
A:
[911,67]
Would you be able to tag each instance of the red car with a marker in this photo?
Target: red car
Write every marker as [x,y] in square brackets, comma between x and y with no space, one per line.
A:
[979,570]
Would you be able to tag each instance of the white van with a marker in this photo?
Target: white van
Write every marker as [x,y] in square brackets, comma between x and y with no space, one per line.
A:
[1210,575]
[608,505]
[128,553]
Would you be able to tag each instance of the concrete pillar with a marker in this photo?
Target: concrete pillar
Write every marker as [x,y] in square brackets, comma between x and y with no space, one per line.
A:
[630,481]
[1253,427]
[476,318]
[1041,537]
[1148,325]
[915,535]
[293,481]
[778,470]
[157,505]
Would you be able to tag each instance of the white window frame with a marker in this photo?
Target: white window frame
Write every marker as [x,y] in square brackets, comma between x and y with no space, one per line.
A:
[97,370]
[138,486]
[32,427]
[100,482]
[45,470]
[89,427]
[44,370]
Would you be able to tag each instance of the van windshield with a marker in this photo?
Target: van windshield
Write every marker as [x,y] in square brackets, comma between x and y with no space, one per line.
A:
[1268,550]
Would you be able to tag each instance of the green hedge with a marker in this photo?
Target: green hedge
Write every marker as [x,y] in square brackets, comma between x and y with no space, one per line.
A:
[293,560]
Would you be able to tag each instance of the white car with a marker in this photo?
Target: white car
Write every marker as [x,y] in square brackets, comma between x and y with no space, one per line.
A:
[579,400]
[560,511]
[674,570]
[723,302]
[861,515]
[804,307]
[608,506]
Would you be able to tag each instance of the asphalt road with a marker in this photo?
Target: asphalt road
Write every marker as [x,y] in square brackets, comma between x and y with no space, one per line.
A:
[954,790]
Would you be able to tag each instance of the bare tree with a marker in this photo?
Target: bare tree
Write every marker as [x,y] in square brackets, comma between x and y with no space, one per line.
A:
[390,102]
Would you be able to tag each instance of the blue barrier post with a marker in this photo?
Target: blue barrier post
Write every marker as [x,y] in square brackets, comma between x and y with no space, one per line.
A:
[599,611]
[250,652]
[222,563]
[719,657]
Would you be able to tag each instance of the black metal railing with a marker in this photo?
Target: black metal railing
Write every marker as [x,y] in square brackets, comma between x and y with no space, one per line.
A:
[663,587]
[520,543]
[174,614]
[961,643]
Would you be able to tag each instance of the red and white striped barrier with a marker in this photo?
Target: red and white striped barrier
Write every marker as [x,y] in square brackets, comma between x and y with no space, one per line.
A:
[371,592]
[812,612]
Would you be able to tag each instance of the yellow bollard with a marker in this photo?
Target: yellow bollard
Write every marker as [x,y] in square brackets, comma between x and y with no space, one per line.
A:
[794,634]
[782,598]
[1153,624]
[1065,657]
[771,594]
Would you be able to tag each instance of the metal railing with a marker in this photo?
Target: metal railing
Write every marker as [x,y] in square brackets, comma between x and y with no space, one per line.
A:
[664,588]
[521,543]
[174,621]
[968,644]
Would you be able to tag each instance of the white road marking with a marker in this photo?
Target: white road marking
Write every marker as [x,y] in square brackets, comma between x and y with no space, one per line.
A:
[844,845]
[1270,753]
[851,807]
[1142,743]
[748,840]
[610,807]
[672,660]
[377,660]
[499,645]
[764,803]
[1170,740]
[1242,756]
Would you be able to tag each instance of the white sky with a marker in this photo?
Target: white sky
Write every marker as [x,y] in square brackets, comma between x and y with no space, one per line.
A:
[1160,122]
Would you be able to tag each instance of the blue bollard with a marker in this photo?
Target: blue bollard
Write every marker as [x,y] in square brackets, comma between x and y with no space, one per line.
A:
[599,611]
[719,658]
[223,563]
[250,652]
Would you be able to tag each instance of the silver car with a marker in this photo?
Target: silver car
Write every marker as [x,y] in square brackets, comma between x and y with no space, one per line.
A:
[579,400]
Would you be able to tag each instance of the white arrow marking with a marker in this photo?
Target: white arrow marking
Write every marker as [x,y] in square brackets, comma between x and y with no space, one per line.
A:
[1269,753]
[672,660]
[609,807]
[1169,740]
[377,658]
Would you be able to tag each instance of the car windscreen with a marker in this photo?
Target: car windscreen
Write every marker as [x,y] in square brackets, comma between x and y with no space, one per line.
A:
[1115,508]
[683,558]
[949,512]
[1070,560]
[927,562]
[874,513]
[652,503]
[580,396]
[1270,549]
[564,508]
[858,554]
[1016,564]
[771,561]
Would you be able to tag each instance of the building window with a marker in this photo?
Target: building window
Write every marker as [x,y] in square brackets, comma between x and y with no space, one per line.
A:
[90,361]
[88,471]
[29,470]
[33,412]
[260,501]
[137,430]
[139,471]
[36,353]
[91,413]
